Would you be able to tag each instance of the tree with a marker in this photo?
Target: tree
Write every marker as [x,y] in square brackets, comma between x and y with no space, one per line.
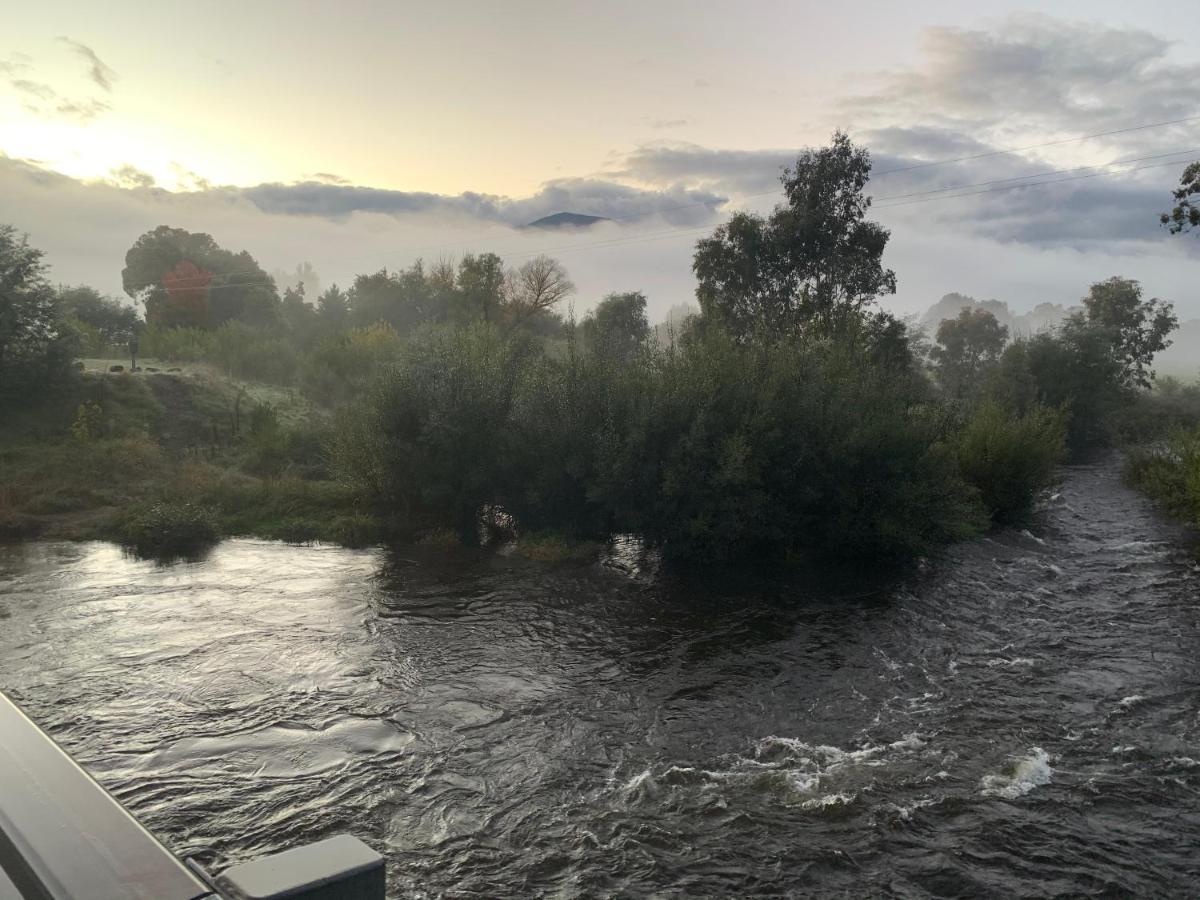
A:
[535,288]
[334,309]
[104,322]
[480,287]
[1186,214]
[36,349]
[812,261]
[618,327]
[237,288]
[967,347]
[186,303]
[1137,329]
[299,316]
[401,299]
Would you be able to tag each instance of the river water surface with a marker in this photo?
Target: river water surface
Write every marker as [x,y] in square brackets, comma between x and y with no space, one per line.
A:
[1023,718]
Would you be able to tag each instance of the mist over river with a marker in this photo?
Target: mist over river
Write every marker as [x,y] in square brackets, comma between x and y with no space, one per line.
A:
[1020,719]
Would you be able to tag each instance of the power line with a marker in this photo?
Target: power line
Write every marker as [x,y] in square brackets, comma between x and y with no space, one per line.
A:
[1016,187]
[1116,162]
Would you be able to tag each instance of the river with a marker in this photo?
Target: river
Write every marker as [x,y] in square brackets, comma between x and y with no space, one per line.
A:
[1020,718]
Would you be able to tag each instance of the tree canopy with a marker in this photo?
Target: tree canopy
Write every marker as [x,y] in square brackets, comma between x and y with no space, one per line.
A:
[1137,329]
[618,326]
[208,285]
[1186,213]
[35,348]
[966,346]
[814,259]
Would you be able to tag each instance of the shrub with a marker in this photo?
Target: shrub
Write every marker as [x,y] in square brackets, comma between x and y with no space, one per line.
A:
[814,447]
[1169,472]
[431,440]
[1010,457]
[164,530]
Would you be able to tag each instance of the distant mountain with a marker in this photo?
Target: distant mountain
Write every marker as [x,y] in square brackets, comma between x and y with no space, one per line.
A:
[567,220]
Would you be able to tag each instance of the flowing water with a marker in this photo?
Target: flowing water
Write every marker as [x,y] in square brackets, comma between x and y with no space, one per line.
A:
[1021,718]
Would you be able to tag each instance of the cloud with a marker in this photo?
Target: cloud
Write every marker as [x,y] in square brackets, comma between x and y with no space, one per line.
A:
[328,178]
[33,89]
[132,177]
[14,64]
[663,124]
[98,70]
[1033,73]
[42,99]
[947,121]
[83,110]
[736,171]
[579,195]
[86,228]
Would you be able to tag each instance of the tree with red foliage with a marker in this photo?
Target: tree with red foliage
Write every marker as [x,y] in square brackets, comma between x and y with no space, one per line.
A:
[186,303]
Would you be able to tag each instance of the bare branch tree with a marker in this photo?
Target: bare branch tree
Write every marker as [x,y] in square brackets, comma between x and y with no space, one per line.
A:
[536,286]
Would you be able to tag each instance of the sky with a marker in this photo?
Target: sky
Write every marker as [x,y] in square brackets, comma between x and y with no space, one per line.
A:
[359,135]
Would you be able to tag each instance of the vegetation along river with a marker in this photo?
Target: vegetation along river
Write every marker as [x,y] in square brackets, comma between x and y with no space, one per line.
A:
[1020,718]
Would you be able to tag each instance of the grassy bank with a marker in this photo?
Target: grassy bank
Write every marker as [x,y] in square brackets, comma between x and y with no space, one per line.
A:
[121,449]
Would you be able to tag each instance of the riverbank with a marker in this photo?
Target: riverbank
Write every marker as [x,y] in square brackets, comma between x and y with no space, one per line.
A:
[85,465]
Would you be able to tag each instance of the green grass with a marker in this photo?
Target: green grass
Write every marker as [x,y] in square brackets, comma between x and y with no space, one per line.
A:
[121,445]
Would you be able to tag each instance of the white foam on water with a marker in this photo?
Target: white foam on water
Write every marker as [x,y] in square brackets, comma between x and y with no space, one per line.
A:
[1130,701]
[1030,771]
[811,776]
[906,812]
[829,800]
[1015,661]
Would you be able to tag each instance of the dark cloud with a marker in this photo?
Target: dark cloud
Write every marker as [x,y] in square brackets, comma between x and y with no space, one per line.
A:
[579,195]
[1092,214]
[923,142]
[735,171]
[98,70]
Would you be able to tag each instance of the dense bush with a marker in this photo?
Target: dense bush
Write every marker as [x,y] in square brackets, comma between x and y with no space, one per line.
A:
[165,529]
[797,447]
[1010,458]
[236,349]
[716,451]
[431,440]
[342,365]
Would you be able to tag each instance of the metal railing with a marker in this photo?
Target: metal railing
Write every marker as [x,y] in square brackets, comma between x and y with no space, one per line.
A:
[64,837]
